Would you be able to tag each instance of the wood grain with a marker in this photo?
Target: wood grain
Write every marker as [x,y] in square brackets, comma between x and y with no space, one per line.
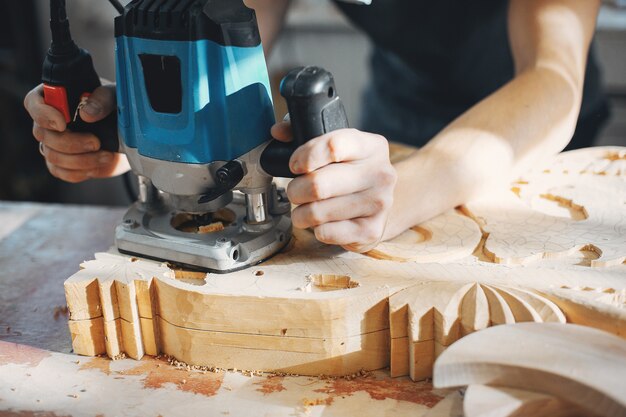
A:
[319,309]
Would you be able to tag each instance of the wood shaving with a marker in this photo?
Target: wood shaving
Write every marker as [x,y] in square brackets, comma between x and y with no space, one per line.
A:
[211,228]
[252,373]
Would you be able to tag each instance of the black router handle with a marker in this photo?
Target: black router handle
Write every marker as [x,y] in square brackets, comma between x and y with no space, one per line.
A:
[314,108]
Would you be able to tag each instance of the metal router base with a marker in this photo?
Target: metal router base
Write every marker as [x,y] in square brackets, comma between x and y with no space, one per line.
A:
[150,233]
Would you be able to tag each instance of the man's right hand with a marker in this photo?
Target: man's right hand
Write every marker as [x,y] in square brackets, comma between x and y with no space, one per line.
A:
[75,157]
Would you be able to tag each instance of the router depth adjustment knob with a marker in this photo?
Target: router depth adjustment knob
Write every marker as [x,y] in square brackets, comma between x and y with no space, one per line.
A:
[230,174]
[227,178]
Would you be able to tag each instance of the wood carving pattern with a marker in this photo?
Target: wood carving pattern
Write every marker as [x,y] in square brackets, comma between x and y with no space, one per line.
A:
[317,309]
[587,212]
[427,318]
[448,237]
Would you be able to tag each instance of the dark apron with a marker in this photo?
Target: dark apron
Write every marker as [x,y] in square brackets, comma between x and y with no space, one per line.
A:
[433,60]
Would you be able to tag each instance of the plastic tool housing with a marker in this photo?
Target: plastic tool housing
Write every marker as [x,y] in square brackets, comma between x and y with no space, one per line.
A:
[193,86]
[314,109]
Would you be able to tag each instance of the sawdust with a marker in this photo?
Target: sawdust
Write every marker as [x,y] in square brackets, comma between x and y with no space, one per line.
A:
[615,156]
[271,385]
[101,364]
[13,353]
[193,381]
[155,376]
[318,401]
[186,274]
[186,367]
[382,389]
[211,228]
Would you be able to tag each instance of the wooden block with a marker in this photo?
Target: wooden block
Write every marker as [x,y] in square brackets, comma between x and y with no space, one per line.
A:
[129,319]
[83,296]
[421,359]
[580,365]
[113,338]
[274,353]
[399,359]
[316,304]
[88,337]
[145,298]
[150,336]
[314,315]
[132,338]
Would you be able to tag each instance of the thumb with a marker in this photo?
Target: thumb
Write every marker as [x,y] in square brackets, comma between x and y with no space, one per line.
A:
[99,104]
[281,131]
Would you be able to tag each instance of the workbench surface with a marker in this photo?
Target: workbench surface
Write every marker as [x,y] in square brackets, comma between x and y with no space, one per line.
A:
[42,245]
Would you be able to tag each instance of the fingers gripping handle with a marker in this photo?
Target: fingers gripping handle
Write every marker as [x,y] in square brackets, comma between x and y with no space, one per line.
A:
[314,109]
[69,80]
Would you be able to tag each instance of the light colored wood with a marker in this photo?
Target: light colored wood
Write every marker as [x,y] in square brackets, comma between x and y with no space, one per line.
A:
[602,308]
[409,299]
[577,364]
[318,323]
[297,355]
[560,210]
[448,237]
[474,310]
[485,401]
[438,313]
[88,336]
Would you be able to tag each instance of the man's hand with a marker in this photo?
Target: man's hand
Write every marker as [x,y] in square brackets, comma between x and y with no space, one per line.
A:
[74,157]
[345,188]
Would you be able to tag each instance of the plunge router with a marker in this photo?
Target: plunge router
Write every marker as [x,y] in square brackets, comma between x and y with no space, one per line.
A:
[194,112]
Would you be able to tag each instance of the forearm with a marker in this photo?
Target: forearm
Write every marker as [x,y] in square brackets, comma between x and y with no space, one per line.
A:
[531,117]
[270,17]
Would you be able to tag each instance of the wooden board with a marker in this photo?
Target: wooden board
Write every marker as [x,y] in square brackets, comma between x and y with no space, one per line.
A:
[35,382]
[576,364]
[317,309]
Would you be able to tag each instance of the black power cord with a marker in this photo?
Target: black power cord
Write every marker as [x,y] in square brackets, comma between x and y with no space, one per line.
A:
[68,74]
[118,6]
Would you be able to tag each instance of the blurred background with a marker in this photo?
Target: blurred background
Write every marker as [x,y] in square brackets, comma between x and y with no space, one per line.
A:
[316,33]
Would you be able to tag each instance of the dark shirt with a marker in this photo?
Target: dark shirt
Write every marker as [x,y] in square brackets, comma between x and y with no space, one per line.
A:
[433,60]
